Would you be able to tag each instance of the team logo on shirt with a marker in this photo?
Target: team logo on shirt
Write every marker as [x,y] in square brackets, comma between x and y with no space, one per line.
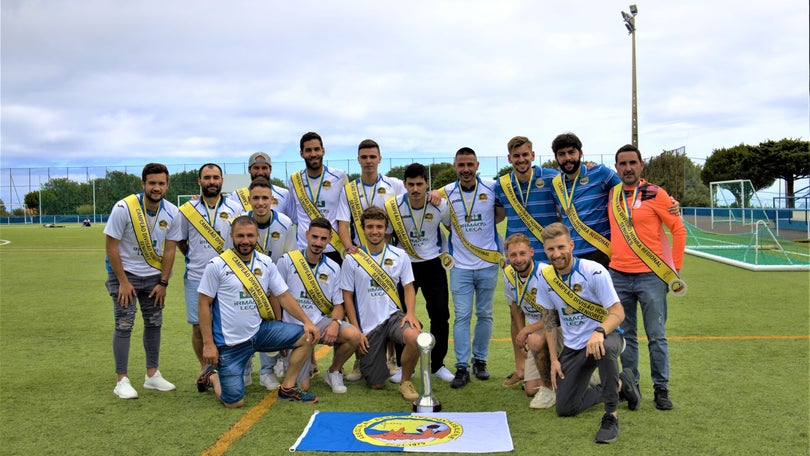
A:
[381,191]
[577,288]
[388,262]
[275,236]
[569,310]
[323,277]
[163,224]
[482,197]
[258,272]
[540,183]
[223,215]
[326,184]
[428,216]
[584,180]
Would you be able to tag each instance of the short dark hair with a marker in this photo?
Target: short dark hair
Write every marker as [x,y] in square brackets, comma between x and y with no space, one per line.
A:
[465,151]
[368,144]
[415,170]
[260,181]
[373,213]
[208,165]
[244,220]
[566,140]
[154,168]
[320,222]
[309,136]
[628,148]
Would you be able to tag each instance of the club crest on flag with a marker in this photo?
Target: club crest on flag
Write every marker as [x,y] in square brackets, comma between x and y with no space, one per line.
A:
[406,431]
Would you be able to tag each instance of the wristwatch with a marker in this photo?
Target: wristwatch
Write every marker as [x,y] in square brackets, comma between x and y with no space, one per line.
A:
[601,330]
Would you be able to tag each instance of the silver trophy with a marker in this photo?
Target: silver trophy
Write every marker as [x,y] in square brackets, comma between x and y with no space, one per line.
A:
[427,402]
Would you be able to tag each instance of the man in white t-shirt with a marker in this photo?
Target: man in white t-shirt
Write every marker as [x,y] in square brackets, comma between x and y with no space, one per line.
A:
[520,289]
[259,165]
[315,192]
[276,236]
[373,304]
[475,246]
[206,229]
[583,304]
[314,282]
[232,325]
[142,233]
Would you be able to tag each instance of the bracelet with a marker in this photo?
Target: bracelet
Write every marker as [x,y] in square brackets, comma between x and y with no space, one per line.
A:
[163,283]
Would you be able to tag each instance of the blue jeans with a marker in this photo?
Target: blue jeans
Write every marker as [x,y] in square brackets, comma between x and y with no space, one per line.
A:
[466,285]
[273,335]
[651,292]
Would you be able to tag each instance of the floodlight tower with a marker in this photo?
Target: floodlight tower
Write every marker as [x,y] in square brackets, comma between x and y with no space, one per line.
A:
[630,23]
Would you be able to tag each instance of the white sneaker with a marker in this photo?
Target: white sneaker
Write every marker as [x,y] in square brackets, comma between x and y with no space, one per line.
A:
[355,374]
[247,375]
[248,379]
[157,382]
[392,365]
[124,389]
[444,374]
[544,398]
[269,381]
[396,378]
[335,381]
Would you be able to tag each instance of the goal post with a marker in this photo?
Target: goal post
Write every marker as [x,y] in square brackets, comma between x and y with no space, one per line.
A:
[736,202]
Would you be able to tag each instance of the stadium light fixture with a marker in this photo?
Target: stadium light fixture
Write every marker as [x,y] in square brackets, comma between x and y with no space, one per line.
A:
[630,24]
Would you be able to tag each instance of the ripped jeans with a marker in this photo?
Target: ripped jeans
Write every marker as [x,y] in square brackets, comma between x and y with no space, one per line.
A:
[125,320]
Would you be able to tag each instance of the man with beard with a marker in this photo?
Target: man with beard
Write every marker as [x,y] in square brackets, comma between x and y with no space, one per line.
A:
[315,192]
[520,289]
[276,236]
[142,233]
[475,247]
[259,166]
[237,319]
[581,193]
[581,302]
[313,280]
[526,195]
[206,231]
[370,279]
[644,265]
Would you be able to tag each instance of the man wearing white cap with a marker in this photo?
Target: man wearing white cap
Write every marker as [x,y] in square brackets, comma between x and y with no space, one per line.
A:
[259,165]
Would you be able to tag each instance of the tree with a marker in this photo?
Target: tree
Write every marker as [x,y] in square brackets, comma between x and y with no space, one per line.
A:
[434,170]
[551,164]
[788,159]
[738,162]
[680,176]
[3,210]
[503,171]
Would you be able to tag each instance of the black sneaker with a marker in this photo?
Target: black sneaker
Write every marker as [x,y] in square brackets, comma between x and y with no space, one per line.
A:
[629,390]
[461,379]
[609,431]
[480,370]
[204,380]
[662,401]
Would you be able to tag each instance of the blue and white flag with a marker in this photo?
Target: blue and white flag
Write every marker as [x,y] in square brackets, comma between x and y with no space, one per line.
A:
[485,432]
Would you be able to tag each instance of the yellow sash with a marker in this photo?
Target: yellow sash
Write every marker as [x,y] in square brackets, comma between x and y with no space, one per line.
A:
[244,198]
[589,309]
[250,282]
[311,210]
[310,282]
[202,226]
[531,223]
[490,256]
[378,275]
[141,228]
[398,224]
[591,236]
[511,275]
[656,264]
[356,208]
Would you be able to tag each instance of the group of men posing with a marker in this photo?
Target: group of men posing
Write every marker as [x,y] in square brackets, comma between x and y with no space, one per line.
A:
[583,248]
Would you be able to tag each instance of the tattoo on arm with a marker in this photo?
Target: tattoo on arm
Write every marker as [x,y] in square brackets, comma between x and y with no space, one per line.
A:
[550,319]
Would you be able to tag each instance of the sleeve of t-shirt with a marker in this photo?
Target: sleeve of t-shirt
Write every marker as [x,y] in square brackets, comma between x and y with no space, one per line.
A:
[209,284]
[175,228]
[407,271]
[508,290]
[343,214]
[284,267]
[116,222]
[347,274]
[604,285]
[276,285]
[337,292]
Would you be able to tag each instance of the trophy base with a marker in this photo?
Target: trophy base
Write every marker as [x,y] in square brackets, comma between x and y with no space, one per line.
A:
[433,407]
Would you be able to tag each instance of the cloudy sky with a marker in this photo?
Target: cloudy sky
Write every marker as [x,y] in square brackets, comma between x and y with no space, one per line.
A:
[103,82]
